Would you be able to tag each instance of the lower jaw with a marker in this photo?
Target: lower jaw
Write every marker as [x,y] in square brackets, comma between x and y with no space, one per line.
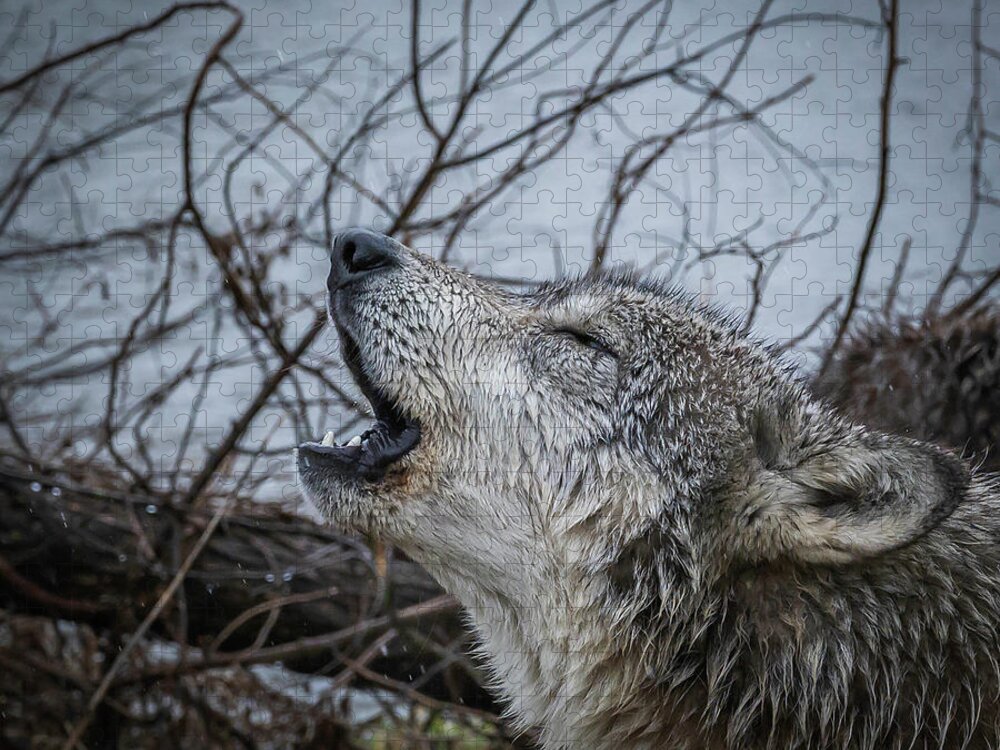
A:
[369,457]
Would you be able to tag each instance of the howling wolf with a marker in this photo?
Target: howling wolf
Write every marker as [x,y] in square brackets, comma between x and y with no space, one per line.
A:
[662,539]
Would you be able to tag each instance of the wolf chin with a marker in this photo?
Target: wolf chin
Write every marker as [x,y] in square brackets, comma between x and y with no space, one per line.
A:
[661,538]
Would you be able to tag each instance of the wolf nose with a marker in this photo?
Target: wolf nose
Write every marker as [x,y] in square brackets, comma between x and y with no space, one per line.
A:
[361,251]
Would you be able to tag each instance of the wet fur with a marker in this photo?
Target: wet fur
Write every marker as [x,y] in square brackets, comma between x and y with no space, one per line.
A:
[680,547]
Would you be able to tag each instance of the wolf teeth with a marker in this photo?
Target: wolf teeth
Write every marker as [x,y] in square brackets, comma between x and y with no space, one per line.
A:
[330,441]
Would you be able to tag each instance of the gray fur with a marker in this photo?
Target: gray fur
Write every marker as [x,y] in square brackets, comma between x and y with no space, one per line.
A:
[678,547]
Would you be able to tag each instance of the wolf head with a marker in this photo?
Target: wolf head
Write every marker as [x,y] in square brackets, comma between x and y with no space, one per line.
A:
[607,446]
[557,427]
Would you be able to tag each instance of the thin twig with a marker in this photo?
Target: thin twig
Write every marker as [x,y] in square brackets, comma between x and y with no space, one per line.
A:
[302,647]
[266,606]
[102,689]
[897,277]
[975,130]
[885,150]
[39,595]
[108,42]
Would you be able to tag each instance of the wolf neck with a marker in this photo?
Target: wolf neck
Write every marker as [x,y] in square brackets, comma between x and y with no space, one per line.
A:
[536,652]
[564,666]
[559,643]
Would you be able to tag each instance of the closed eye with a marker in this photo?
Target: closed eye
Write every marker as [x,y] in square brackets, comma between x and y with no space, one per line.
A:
[588,340]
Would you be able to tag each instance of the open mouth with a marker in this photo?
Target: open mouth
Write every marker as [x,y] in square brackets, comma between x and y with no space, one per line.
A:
[371,454]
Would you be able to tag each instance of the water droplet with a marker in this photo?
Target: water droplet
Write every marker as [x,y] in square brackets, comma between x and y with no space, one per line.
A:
[288,575]
[269,577]
[56,491]
[151,509]
[122,557]
[36,487]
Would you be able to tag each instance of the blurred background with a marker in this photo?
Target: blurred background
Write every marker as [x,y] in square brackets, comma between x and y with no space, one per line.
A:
[171,177]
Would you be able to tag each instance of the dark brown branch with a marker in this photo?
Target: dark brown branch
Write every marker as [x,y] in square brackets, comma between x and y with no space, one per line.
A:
[975,130]
[892,62]
[415,66]
[45,598]
[303,646]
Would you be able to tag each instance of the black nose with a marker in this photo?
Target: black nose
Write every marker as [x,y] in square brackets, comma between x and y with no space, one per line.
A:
[361,251]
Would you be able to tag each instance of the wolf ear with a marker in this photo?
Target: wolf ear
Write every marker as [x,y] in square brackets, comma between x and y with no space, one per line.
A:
[834,496]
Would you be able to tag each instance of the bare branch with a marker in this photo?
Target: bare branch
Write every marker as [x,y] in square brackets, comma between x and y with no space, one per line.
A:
[892,61]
